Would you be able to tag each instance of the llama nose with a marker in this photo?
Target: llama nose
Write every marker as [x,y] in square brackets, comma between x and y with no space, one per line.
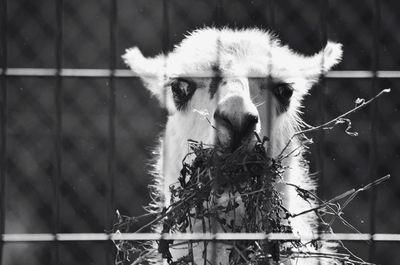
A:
[238,126]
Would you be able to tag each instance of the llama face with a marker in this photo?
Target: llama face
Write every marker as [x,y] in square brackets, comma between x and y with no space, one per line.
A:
[232,115]
[239,80]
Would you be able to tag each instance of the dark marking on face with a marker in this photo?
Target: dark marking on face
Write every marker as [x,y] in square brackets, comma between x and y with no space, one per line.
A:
[182,91]
[215,81]
[282,92]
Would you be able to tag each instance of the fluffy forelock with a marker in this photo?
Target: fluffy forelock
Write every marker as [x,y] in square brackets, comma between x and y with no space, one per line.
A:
[253,49]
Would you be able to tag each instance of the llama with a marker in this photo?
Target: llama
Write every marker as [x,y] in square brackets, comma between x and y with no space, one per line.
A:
[260,87]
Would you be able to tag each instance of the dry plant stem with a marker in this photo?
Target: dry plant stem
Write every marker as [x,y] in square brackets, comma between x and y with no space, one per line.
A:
[241,254]
[366,187]
[329,256]
[136,218]
[339,197]
[170,209]
[361,261]
[337,214]
[297,148]
[363,104]
[353,193]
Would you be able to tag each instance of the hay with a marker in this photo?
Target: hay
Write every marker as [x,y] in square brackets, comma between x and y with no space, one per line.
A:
[247,177]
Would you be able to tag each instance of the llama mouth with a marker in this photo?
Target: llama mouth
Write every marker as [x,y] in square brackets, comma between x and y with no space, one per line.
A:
[245,138]
[238,161]
[235,141]
[233,134]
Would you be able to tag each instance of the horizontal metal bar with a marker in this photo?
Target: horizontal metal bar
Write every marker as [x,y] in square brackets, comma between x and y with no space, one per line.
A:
[193,236]
[351,74]
[68,72]
[75,72]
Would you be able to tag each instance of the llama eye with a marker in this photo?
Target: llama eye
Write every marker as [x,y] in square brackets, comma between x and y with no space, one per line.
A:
[283,91]
[182,91]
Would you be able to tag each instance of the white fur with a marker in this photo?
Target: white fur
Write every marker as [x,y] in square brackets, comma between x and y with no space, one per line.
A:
[239,54]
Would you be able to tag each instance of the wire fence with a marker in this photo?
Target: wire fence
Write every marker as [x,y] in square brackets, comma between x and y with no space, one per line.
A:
[76,126]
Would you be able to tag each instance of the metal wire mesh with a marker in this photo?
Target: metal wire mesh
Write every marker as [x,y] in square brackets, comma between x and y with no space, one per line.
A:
[77,128]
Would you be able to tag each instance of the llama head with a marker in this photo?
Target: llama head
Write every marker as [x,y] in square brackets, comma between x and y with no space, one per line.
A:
[245,80]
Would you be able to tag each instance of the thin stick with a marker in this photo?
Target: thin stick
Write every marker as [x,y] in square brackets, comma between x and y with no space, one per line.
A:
[366,187]
[351,193]
[241,254]
[363,104]
[339,197]
[169,211]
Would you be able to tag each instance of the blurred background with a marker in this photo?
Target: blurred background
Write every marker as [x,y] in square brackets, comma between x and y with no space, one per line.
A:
[108,126]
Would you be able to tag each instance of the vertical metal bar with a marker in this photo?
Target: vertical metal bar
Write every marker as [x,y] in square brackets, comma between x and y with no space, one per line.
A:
[268,98]
[324,7]
[269,109]
[320,94]
[373,117]
[165,48]
[111,123]
[219,14]
[217,75]
[271,14]
[58,126]
[3,121]
[166,27]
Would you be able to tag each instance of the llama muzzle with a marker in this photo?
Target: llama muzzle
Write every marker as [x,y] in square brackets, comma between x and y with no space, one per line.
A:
[234,128]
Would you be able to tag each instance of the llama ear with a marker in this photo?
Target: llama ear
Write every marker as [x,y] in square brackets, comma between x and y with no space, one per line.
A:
[323,61]
[150,70]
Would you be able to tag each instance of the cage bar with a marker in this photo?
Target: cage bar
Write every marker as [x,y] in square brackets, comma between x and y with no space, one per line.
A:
[125,73]
[324,9]
[112,112]
[271,24]
[71,237]
[3,120]
[373,136]
[165,48]
[271,14]
[216,75]
[111,125]
[57,174]
[320,95]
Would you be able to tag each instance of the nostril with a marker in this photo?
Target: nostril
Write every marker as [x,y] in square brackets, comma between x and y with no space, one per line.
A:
[236,124]
[249,123]
[233,129]
[223,119]
[251,119]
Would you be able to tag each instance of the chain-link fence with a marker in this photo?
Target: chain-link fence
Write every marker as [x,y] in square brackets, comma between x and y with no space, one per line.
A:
[77,128]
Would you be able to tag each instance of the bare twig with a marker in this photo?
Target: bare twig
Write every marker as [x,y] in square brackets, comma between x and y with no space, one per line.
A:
[335,120]
[366,187]
[339,197]
[241,254]
[169,210]
[352,194]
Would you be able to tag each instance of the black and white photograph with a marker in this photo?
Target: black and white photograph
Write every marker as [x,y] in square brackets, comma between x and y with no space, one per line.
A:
[199,132]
